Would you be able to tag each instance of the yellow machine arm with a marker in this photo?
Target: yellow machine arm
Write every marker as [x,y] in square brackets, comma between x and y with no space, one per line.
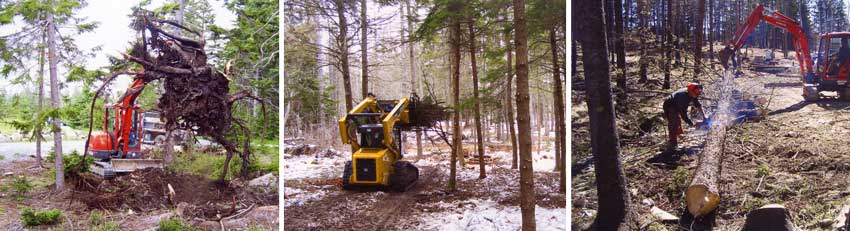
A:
[379,112]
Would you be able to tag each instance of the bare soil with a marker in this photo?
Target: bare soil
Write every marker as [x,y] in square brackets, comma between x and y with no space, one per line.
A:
[137,201]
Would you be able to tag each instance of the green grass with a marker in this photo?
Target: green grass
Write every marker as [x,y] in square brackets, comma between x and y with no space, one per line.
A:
[174,224]
[18,187]
[210,165]
[108,226]
[95,218]
[30,217]
[677,186]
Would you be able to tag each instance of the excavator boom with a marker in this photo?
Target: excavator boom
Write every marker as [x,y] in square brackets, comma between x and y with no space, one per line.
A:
[760,13]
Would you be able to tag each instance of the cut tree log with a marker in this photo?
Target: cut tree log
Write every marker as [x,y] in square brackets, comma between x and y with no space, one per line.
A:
[769,217]
[703,194]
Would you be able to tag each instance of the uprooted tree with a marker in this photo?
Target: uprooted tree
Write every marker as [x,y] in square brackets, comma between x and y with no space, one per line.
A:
[197,96]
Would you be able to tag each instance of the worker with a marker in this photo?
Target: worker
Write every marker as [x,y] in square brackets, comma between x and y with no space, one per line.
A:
[676,108]
[842,57]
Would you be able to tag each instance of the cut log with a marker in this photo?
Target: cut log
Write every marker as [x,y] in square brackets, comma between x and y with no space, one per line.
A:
[769,217]
[703,194]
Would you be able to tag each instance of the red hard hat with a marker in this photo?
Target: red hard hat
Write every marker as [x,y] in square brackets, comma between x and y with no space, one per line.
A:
[694,89]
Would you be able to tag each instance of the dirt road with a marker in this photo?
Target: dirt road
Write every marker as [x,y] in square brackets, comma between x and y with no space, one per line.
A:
[16,150]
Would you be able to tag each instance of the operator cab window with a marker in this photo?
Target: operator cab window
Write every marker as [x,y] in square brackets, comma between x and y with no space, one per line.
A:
[834,46]
[371,135]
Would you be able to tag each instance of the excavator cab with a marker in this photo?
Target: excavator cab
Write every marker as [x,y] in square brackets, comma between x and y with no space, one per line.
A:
[833,63]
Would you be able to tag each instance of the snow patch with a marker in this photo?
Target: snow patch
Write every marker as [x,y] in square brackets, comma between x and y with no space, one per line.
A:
[488,215]
[297,197]
[543,161]
[299,167]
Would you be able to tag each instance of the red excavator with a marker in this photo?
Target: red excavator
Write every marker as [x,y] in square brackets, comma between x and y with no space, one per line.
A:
[119,150]
[829,75]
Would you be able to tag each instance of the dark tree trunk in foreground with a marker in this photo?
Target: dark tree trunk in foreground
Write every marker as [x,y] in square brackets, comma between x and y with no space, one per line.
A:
[527,199]
[478,133]
[613,197]
[54,98]
[560,120]
[509,106]
[457,146]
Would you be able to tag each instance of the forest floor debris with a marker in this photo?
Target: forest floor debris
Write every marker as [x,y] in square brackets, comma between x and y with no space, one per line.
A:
[313,198]
[136,201]
[795,156]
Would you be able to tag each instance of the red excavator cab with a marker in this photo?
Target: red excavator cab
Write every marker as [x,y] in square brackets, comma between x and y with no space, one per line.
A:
[833,76]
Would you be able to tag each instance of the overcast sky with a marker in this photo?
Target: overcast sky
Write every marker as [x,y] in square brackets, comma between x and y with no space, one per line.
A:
[114,35]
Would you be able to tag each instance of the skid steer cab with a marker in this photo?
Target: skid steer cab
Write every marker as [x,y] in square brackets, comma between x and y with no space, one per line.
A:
[376,142]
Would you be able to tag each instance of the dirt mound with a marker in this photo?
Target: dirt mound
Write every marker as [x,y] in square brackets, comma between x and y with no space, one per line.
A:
[148,189]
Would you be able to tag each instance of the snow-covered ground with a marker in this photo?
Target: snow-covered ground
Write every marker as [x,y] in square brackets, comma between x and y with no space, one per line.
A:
[477,214]
[297,197]
[493,208]
[322,164]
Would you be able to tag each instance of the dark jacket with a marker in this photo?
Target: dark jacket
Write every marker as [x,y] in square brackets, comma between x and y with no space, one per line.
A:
[678,102]
[843,55]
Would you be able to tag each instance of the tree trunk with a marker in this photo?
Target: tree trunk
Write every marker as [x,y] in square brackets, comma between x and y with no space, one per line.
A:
[414,81]
[713,25]
[364,63]
[457,145]
[560,114]
[478,133]
[641,30]
[669,53]
[509,104]
[769,217]
[611,184]
[54,98]
[342,44]
[698,38]
[526,173]
[620,47]
[168,144]
[40,104]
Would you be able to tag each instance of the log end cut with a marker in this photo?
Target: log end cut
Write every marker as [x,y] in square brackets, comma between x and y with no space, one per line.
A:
[701,201]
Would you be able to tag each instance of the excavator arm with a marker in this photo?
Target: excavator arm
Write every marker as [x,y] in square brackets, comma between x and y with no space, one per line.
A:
[801,44]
